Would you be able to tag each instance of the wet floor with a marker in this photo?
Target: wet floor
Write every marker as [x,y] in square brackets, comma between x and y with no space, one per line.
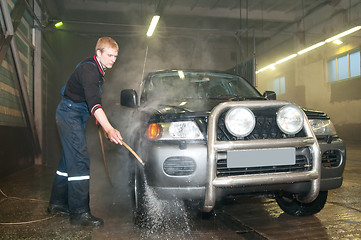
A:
[23,215]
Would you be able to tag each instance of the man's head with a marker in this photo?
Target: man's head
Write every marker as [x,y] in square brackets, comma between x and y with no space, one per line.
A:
[107,51]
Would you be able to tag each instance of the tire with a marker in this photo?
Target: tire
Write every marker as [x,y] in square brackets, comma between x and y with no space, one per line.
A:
[138,198]
[290,205]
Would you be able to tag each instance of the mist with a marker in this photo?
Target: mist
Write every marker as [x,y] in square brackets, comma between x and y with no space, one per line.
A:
[136,58]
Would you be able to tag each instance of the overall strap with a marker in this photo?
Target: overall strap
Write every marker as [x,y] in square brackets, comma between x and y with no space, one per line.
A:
[101,74]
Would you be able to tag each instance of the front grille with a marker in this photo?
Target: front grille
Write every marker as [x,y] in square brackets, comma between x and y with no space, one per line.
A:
[331,158]
[303,163]
[265,128]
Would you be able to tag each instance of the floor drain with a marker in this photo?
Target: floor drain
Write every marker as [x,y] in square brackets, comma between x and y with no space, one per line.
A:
[240,228]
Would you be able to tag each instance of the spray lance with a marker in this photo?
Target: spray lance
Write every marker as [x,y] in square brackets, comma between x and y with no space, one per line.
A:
[103,153]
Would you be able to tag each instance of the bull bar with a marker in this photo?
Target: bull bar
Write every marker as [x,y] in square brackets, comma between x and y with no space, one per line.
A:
[214,146]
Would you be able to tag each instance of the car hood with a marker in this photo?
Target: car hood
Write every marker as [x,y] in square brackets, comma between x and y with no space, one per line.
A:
[192,106]
[315,114]
[187,107]
[202,107]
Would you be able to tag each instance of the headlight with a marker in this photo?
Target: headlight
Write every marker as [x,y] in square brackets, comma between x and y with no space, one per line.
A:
[322,127]
[240,121]
[290,119]
[185,130]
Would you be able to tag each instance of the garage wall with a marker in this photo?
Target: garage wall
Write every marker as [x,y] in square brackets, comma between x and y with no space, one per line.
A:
[16,146]
[16,152]
[11,113]
[305,76]
[50,85]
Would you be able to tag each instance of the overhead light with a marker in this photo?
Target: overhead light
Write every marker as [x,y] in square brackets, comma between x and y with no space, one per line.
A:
[58,24]
[337,41]
[271,66]
[286,58]
[311,48]
[153,25]
[181,74]
[331,39]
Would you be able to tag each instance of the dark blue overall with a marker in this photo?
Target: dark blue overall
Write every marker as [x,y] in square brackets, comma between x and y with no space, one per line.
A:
[71,184]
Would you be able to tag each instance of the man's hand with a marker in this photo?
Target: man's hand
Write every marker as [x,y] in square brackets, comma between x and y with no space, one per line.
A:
[114,136]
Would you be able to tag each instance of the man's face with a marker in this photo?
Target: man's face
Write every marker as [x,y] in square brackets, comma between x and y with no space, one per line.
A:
[107,57]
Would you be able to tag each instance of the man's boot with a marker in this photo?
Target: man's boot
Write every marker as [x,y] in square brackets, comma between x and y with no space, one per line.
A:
[56,209]
[85,219]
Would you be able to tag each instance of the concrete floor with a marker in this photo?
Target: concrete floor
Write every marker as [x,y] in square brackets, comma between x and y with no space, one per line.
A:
[242,218]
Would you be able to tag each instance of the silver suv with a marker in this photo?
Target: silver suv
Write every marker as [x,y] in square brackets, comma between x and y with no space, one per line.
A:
[204,135]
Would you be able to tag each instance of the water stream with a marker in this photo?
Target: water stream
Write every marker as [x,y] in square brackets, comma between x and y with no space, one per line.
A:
[166,219]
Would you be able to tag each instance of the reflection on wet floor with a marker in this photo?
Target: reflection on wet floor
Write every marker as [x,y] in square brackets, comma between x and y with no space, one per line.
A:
[237,218]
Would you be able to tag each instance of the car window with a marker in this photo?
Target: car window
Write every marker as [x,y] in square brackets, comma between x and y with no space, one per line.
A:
[172,85]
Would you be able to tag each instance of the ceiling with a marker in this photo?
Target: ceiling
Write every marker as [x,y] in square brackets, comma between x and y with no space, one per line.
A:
[260,25]
[264,18]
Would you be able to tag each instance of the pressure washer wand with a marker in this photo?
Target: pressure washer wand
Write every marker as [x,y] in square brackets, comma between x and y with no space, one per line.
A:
[134,153]
[124,144]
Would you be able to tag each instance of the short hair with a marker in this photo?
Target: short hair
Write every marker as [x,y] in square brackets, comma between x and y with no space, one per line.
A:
[104,42]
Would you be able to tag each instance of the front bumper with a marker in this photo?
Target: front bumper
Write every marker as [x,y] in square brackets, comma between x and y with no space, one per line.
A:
[332,167]
[192,186]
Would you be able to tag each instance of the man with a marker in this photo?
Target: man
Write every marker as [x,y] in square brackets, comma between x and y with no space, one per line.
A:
[81,99]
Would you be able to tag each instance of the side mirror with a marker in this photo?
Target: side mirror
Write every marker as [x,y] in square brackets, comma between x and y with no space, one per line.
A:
[129,98]
[270,95]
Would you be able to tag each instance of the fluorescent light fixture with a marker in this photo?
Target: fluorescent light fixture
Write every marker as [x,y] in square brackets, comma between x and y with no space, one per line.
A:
[271,66]
[181,74]
[311,48]
[58,24]
[287,58]
[331,39]
[153,25]
[337,41]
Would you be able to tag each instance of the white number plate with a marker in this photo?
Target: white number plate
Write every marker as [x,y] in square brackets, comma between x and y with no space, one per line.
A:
[261,157]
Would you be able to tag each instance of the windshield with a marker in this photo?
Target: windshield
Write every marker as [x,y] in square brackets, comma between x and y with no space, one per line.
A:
[183,85]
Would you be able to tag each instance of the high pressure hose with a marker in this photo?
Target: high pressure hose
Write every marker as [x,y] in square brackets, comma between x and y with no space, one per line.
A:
[24,199]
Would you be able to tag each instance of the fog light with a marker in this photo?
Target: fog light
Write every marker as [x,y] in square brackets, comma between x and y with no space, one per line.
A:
[290,119]
[331,158]
[240,121]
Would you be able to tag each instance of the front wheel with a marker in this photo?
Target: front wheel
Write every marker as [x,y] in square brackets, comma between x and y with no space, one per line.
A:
[290,205]
[138,197]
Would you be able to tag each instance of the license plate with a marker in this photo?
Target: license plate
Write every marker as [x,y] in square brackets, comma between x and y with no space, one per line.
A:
[261,157]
